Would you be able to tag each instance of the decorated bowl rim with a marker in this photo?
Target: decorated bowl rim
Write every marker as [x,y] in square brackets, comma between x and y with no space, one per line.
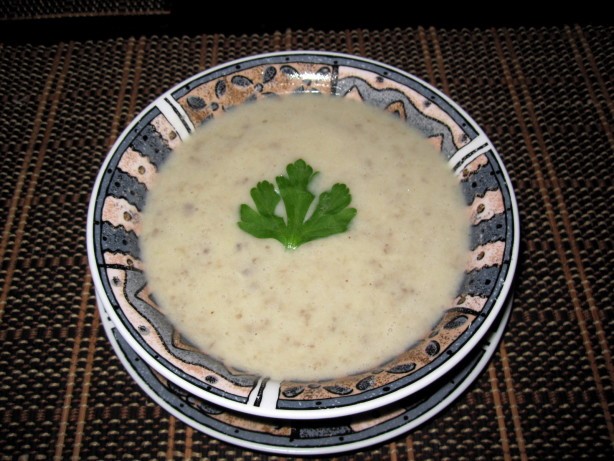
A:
[298,413]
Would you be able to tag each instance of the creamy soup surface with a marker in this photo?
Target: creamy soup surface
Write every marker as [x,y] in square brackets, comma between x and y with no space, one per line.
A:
[334,306]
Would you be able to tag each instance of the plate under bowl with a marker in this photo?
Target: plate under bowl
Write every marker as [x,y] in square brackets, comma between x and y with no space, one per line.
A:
[320,437]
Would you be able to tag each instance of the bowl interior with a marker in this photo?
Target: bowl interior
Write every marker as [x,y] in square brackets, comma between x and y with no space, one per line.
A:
[129,172]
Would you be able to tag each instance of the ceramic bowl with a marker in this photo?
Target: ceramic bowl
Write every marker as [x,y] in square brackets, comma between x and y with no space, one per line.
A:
[129,171]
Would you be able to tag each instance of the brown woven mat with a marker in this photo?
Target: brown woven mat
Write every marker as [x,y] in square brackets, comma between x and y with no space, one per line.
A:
[44,9]
[543,95]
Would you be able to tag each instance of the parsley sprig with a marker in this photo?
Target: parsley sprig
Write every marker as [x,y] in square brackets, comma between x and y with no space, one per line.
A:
[330,216]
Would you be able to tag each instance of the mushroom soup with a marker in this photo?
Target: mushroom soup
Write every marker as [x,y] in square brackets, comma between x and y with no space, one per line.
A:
[334,306]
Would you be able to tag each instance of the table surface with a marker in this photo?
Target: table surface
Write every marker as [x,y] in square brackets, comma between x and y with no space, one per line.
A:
[542,94]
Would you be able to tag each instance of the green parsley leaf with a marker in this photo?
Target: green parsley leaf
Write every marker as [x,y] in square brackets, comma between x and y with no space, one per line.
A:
[331,214]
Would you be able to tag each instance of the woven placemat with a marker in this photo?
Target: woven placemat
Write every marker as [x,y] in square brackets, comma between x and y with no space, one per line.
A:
[543,96]
[43,9]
